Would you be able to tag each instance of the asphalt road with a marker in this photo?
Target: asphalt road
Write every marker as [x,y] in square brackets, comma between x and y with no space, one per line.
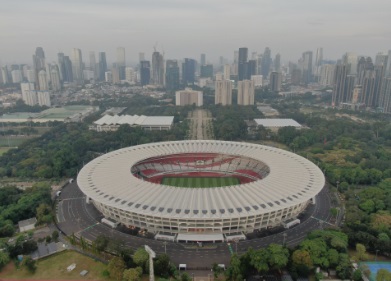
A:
[74,215]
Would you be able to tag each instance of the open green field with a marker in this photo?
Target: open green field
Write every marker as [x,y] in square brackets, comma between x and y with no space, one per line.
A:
[200,182]
[55,268]
[13,141]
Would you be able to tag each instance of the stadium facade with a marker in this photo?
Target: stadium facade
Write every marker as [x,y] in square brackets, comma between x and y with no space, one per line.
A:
[125,185]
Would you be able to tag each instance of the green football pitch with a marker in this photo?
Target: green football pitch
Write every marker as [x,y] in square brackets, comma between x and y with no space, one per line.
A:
[199,182]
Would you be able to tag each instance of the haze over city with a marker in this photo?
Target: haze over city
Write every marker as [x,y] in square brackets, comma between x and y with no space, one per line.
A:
[188,28]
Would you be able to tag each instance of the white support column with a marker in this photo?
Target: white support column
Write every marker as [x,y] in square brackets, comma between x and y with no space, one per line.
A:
[151,256]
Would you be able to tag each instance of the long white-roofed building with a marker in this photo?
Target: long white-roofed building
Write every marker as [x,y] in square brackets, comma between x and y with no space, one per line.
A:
[112,122]
[128,186]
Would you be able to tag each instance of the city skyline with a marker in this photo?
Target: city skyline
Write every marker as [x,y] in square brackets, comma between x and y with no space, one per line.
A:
[185,29]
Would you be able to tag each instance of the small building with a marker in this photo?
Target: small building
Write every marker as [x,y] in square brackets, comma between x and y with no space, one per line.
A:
[275,124]
[28,224]
[151,123]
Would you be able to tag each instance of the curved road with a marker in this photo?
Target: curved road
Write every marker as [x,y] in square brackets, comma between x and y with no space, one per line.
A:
[74,215]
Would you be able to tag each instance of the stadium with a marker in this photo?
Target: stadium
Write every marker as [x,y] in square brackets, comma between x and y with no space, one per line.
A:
[200,190]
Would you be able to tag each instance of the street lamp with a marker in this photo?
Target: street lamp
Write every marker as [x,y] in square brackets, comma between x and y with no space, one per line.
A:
[376,255]
[165,247]
[337,186]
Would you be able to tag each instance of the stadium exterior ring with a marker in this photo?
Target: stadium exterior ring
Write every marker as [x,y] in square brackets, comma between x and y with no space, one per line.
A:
[116,185]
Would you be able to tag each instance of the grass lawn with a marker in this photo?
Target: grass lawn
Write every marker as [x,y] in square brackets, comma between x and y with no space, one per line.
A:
[55,268]
[200,182]
[4,150]
[13,141]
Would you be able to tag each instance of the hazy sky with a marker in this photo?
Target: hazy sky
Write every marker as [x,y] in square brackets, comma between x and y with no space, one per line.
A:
[188,28]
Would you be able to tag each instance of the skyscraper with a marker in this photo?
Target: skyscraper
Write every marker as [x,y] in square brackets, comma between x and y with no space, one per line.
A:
[121,62]
[318,62]
[306,69]
[385,96]
[388,65]
[275,81]
[266,62]
[341,71]
[77,66]
[42,81]
[38,62]
[55,78]
[93,66]
[145,72]
[203,59]
[188,71]
[157,77]
[246,92]
[223,92]
[242,64]
[102,66]
[277,63]
[227,72]
[206,71]
[172,75]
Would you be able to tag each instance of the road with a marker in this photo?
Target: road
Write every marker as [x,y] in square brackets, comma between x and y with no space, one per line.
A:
[201,127]
[74,215]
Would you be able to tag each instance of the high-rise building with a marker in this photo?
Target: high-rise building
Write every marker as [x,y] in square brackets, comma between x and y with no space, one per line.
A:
[93,65]
[38,62]
[242,63]
[275,81]
[306,69]
[203,59]
[42,81]
[16,76]
[121,62]
[172,75]
[327,75]
[145,72]
[351,60]
[77,66]
[258,80]
[227,72]
[141,57]
[318,62]
[130,75]
[266,62]
[108,77]
[246,92]
[55,79]
[385,95]
[188,97]
[43,98]
[388,65]
[157,77]
[115,72]
[381,59]
[251,69]
[28,93]
[188,71]
[341,71]
[4,75]
[277,63]
[102,66]
[223,92]
[368,89]
[206,71]
[379,74]
[30,76]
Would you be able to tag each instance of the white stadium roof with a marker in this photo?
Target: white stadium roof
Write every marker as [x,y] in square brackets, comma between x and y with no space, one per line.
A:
[291,181]
[277,122]
[135,120]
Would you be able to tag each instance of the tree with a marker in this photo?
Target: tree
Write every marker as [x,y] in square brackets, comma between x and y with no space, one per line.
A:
[4,259]
[116,268]
[29,246]
[344,267]
[217,270]
[278,256]
[383,275]
[55,235]
[44,214]
[101,243]
[357,275]
[302,257]
[141,258]
[133,274]
[162,265]
[260,260]
[361,252]
[30,264]
[233,272]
